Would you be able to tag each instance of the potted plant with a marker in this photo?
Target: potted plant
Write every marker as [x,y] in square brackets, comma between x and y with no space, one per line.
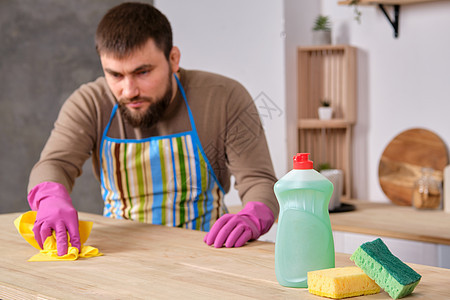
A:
[325,110]
[336,177]
[356,10]
[322,30]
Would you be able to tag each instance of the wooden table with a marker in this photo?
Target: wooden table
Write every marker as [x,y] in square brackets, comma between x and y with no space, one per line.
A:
[144,261]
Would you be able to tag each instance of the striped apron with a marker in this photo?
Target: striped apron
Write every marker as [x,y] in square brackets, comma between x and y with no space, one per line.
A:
[164,180]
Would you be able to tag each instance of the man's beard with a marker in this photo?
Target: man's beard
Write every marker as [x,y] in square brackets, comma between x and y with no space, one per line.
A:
[153,113]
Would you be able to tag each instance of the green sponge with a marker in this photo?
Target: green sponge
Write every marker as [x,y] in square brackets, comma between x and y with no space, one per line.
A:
[388,271]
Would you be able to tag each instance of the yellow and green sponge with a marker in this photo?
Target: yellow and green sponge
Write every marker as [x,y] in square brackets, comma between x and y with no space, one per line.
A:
[338,283]
[388,271]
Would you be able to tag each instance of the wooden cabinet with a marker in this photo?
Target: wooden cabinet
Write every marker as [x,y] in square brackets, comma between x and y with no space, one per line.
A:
[327,73]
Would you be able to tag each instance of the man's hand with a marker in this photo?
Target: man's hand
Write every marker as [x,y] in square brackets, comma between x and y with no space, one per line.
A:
[235,230]
[54,212]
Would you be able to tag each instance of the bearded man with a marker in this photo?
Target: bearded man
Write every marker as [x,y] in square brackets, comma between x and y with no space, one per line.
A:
[164,141]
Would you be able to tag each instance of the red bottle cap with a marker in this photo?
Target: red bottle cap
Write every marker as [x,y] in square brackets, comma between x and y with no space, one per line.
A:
[302,162]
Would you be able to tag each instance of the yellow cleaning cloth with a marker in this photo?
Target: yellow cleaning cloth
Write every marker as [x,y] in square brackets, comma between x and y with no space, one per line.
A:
[24,224]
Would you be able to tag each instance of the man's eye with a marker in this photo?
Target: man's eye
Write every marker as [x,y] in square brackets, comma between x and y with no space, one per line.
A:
[143,72]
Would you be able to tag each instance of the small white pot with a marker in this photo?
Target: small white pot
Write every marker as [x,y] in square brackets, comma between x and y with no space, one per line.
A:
[336,177]
[321,37]
[325,112]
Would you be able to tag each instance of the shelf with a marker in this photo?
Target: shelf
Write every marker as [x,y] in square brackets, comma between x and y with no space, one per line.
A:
[381,4]
[386,2]
[325,47]
[316,123]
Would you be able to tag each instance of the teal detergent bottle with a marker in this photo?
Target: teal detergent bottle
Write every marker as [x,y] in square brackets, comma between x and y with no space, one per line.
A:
[304,239]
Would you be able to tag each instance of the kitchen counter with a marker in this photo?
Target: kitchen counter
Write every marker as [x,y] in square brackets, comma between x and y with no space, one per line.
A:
[147,261]
[390,220]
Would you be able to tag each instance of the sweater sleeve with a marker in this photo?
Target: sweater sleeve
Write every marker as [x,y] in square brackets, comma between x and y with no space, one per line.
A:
[247,151]
[72,140]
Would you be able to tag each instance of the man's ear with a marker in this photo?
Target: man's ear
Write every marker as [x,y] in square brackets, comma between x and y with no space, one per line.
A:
[174,59]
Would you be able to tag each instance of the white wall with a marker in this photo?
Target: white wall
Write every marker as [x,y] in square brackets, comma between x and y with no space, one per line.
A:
[299,17]
[403,82]
[245,41]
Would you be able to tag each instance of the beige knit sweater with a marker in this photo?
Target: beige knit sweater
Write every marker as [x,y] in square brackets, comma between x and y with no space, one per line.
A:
[225,115]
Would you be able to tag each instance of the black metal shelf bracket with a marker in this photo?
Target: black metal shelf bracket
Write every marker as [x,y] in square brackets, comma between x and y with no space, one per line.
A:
[394,22]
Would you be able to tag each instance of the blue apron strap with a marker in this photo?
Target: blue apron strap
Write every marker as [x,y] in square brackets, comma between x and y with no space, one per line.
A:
[110,118]
[191,117]
[106,130]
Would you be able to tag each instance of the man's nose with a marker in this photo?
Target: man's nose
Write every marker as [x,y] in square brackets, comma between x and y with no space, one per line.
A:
[130,88]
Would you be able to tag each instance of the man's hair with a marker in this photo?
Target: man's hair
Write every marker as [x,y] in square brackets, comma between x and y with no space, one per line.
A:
[128,26]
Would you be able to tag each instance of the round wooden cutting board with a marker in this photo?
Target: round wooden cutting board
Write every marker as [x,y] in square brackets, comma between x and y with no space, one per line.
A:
[404,157]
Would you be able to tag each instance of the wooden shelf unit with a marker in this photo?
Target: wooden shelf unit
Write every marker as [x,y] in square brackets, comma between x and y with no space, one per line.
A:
[327,72]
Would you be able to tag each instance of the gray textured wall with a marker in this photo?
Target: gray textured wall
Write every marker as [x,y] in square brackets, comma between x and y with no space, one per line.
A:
[46,51]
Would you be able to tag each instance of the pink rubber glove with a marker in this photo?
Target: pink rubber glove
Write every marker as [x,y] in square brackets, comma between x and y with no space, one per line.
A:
[54,212]
[235,230]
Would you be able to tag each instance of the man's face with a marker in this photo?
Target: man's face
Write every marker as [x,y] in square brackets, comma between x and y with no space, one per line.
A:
[142,83]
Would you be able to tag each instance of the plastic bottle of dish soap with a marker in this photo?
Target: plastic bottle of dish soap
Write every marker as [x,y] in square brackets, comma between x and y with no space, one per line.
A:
[304,239]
